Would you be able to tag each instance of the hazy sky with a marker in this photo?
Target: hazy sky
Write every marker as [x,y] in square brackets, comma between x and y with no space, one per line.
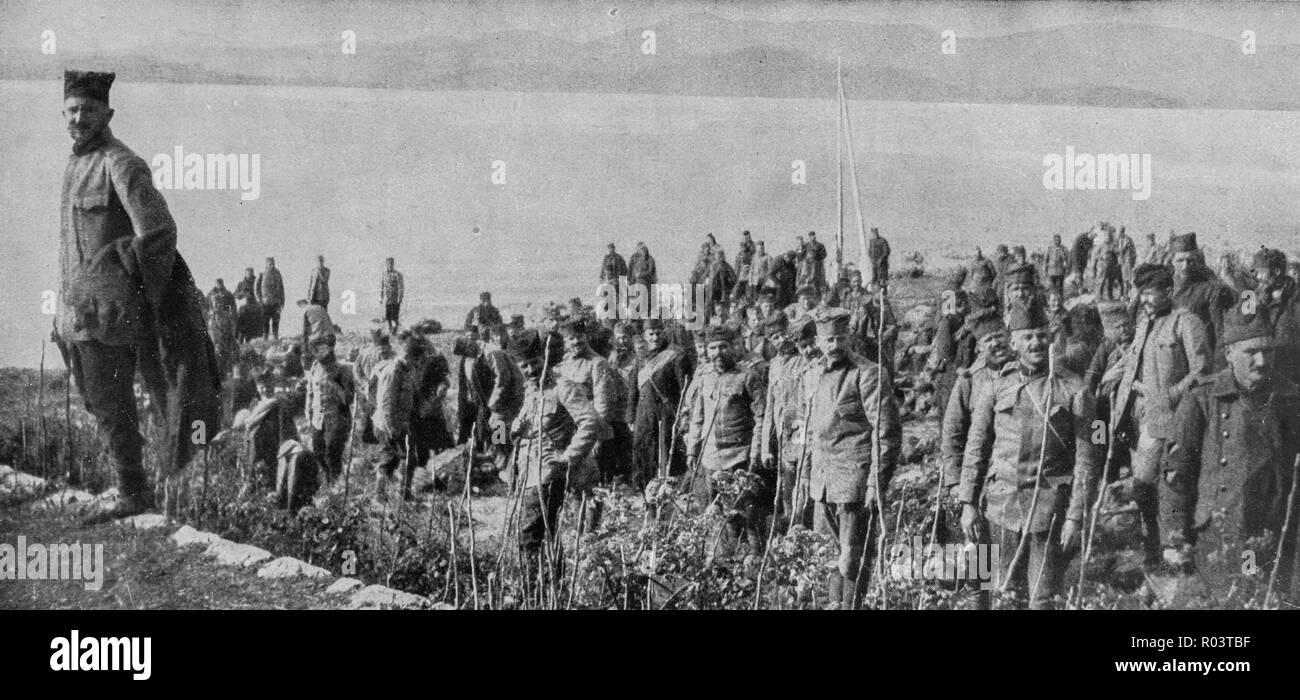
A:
[129,24]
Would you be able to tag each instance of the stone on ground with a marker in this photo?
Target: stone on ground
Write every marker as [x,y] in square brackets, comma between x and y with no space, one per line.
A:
[147,521]
[187,535]
[235,554]
[378,597]
[14,481]
[288,567]
[344,585]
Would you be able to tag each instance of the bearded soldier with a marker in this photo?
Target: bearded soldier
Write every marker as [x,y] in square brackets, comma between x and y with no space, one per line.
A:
[128,300]
[855,437]
[1234,440]
[1003,479]
[724,437]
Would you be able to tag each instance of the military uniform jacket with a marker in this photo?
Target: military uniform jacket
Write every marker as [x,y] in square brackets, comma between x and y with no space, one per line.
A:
[116,246]
[318,286]
[591,376]
[1058,261]
[783,417]
[626,367]
[392,287]
[842,429]
[1006,436]
[566,429]
[270,288]
[1230,456]
[612,268]
[970,383]
[1285,314]
[392,386]
[329,395]
[1169,352]
[1206,297]
[729,408]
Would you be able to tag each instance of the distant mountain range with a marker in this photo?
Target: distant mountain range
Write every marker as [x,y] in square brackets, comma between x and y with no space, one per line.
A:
[1107,65]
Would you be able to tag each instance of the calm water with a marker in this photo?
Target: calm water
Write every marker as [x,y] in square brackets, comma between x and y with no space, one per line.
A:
[359,175]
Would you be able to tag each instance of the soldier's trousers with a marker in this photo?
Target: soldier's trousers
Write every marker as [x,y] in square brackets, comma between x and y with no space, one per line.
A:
[272,314]
[539,515]
[1040,571]
[614,456]
[105,375]
[848,524]
[328,444]
[393,453]
[1147,458]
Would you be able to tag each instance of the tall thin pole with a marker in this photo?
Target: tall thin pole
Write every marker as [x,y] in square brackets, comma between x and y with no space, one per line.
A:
[839,170]
[864,262]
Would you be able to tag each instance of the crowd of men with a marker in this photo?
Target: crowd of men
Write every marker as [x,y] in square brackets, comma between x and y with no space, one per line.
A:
[785,407]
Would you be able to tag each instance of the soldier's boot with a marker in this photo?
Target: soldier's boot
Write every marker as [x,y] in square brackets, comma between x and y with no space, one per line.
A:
[1149,509]
[133,498]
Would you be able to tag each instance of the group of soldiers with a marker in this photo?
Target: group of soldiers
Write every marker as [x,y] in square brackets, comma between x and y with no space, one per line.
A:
[784,407]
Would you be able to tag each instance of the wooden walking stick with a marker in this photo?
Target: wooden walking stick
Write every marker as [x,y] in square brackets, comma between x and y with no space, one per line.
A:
[67,428]
[1038,477]
[1286,530]
[467,501]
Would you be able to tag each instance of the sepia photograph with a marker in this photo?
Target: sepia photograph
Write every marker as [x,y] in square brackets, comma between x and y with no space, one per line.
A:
[661,306]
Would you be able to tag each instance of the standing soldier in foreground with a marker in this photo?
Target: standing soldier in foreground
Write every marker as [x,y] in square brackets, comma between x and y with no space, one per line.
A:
[128,301]
[270,294]
[1168,354]
[554,433]
[392,289]
[591,378]
[330,392]
[1024,483]
[1235,439]
[855,437]
[662,378]
[783,417]
[724,437]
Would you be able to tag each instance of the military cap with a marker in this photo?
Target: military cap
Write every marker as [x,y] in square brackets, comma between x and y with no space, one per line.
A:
[88,84]
[1024,316]
[654,324]
[987,321]
[1268,259]
[530,344]
[1021,274]
[576,326]
[721,334]
[1148,274]
[699,334]
[804,330]
[832,321]
[1240,326]
[807,290]
[1183,243]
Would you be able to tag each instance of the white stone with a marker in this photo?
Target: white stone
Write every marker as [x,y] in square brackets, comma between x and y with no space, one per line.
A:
[288,567]
[382,597]
[69,497]
[188,535]
[147,521]
[235,554]
[344,585]
[12,480]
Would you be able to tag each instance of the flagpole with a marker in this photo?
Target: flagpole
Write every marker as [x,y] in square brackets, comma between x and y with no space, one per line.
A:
[839,171]
[864,263]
